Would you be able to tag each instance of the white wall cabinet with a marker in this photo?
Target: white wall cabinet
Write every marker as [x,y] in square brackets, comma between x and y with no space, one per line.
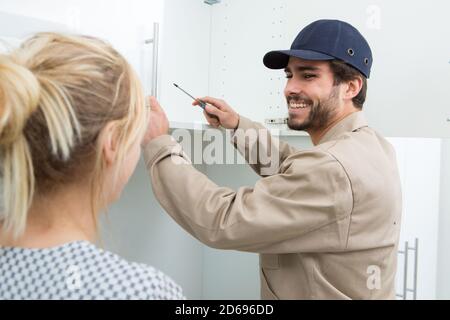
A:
[217,50]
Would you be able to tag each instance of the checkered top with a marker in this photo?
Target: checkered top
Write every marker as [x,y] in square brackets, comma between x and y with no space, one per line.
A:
[79,270]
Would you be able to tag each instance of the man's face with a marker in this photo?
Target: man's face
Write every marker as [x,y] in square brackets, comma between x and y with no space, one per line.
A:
[312,98]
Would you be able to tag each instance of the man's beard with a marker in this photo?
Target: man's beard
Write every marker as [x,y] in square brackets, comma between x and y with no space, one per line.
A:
[320,112]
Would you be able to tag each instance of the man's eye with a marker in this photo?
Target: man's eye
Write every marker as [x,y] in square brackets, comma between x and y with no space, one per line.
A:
[309,76]
[288,75]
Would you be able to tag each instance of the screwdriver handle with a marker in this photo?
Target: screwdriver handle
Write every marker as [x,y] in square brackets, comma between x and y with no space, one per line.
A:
[202,104]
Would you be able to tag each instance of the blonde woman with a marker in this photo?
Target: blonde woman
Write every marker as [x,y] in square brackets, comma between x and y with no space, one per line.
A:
[72,120]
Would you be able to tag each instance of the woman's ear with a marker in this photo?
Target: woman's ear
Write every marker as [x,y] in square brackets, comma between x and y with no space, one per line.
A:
[108,142]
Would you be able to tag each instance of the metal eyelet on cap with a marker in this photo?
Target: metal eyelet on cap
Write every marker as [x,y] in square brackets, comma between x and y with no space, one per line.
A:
[366,61]
[350,52]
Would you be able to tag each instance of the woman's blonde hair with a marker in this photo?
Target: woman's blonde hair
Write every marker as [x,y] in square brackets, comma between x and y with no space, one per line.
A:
[57,92]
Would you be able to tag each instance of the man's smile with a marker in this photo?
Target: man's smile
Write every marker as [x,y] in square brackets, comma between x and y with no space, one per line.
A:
[298,104]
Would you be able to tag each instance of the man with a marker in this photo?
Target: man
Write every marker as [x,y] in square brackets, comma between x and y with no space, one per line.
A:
[326,224]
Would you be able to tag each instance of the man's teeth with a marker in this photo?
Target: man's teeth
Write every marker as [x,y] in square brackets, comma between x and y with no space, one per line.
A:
[297,105]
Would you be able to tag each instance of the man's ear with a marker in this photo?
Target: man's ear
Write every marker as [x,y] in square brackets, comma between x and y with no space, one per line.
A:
[108,142]
[353,88]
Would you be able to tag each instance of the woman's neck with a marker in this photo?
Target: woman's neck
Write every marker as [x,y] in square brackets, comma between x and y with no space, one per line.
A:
[52,220]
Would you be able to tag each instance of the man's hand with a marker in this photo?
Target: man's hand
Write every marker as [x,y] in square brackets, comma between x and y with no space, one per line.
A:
[226,116]
[158,124]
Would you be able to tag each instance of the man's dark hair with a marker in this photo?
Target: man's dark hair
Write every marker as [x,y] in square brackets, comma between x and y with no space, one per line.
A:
[343,72]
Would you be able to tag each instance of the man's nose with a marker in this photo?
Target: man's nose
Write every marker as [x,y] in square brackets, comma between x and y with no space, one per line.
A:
[293,87]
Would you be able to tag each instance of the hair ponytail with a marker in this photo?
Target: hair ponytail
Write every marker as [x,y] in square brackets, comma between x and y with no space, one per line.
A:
[19,97]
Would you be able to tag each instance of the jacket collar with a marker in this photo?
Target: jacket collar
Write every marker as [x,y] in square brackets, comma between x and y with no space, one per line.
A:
[350,123]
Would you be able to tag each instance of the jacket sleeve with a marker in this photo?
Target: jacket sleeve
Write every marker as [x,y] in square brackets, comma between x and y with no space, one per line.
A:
[261,150]
[306,207]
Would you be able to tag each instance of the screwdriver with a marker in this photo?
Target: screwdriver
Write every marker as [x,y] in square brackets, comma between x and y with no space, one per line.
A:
[202,104]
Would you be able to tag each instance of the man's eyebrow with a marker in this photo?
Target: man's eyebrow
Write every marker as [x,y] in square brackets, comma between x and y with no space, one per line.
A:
[303,68]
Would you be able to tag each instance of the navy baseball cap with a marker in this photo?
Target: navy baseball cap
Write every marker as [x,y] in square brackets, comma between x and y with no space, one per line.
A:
[326,40]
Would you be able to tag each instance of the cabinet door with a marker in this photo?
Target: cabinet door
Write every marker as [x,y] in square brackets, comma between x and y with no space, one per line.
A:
[16,27]
[8,43]
[419,163]
[185,54]
[241,33]
[124,24]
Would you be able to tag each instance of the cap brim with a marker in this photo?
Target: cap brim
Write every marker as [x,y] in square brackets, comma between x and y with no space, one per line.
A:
[279,59]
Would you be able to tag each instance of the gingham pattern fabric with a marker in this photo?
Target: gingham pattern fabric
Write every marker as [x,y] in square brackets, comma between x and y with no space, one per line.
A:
[79,270]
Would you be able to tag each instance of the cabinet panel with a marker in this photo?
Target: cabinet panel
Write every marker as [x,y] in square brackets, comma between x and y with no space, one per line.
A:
[242,32]
[185,53]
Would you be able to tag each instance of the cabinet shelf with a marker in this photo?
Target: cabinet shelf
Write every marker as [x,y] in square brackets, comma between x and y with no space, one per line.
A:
[283,131]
